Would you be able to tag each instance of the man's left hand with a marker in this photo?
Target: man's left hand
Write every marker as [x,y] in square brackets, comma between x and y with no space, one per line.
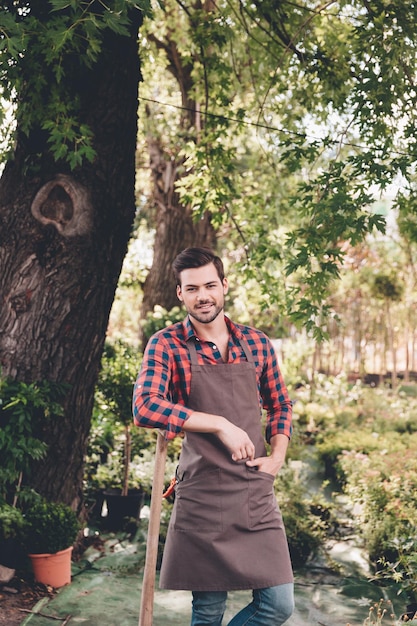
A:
[267,464]
[273,463]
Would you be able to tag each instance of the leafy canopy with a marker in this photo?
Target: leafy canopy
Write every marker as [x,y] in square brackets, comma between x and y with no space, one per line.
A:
[318,98]
[44,45]
[307,114]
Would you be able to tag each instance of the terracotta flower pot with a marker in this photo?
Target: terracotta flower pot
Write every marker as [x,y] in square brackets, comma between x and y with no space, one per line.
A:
[52,569]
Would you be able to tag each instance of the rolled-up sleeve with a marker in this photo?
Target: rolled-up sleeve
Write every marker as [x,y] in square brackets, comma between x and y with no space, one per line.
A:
[275,397]
[153,403]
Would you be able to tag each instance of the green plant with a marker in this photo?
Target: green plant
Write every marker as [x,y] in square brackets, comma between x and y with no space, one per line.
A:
[141,470]
[119,368]
[110,475]
[11,522]
[50,527]
[24,407]
[382,486]
[104,462]
[333,446]
[304,522]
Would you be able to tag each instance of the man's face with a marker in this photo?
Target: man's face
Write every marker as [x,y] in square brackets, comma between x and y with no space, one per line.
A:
[202,293]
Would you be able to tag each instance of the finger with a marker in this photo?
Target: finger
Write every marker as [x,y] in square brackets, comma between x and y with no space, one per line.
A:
[250,451]
[239,455]
[242,454]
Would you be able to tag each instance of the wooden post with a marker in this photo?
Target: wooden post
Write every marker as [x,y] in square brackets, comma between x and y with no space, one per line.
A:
[148,585]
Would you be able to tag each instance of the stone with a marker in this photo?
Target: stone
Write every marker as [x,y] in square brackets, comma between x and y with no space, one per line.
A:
[6,574]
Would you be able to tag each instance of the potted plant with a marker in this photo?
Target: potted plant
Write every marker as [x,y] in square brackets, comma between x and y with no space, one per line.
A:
[50,531]
[119,369]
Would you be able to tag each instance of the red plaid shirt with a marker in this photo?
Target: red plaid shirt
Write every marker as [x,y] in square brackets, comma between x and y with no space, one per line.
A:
[163,385]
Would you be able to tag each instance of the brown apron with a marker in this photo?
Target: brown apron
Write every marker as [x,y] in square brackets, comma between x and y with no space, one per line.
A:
[226,530]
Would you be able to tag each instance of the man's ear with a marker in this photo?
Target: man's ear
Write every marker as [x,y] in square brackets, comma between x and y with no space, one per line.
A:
[225,286]
[179,294]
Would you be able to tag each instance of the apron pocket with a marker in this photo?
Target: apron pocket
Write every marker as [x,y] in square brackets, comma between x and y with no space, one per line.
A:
[198,504]
[263,507]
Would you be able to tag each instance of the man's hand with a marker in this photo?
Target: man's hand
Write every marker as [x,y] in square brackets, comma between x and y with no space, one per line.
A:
[267,464]
[237,441]
[273,463]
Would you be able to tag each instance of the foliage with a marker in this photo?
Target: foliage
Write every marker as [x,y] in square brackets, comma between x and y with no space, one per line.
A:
[387,286]
[50,527]
[11,522]
[56,32]
[101,440]
[107,471]
[119,367]
[124,322]
[24,407]
[383,484]
[331,403]
[366,438]
[332,447]
[120,455]
[110,475]
[304,521]
[305,119]
[159,318]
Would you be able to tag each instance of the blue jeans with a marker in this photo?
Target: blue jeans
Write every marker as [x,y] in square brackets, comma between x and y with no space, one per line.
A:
[271,606]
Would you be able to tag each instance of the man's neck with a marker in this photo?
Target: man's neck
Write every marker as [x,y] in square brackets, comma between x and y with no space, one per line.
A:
[214,331]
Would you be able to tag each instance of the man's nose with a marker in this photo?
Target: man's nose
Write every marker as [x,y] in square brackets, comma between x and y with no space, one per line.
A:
[202,294]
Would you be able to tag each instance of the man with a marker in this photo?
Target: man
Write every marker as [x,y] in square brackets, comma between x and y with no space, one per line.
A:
[209,378]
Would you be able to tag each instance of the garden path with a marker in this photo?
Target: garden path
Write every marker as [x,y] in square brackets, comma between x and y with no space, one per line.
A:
[106,588]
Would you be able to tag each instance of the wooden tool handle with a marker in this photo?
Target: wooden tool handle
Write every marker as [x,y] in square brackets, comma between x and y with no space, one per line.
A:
[148,585]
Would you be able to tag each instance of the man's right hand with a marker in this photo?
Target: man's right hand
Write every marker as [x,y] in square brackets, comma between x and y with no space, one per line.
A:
[237,441]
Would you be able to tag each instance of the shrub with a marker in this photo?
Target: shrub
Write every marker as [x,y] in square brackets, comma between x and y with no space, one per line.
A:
[50,527]
[11,522]
[383,485]
[304,521]
[332,447]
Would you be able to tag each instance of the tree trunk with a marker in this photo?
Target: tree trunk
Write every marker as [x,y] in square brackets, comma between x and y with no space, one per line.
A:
[175,230]
[391,344]
[175,227]
[63,237]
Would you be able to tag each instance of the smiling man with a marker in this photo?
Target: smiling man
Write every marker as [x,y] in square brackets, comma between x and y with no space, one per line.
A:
[209,379]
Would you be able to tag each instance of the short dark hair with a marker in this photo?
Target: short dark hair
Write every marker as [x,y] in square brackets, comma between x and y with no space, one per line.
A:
[196,257]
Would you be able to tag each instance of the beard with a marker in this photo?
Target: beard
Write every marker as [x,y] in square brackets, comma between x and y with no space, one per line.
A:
[206,316]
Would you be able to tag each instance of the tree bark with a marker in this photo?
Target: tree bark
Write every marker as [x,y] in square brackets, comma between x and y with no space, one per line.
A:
[175,230]
[63,237]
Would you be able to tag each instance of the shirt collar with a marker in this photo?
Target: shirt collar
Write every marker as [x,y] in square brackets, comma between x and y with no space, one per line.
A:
[189,331]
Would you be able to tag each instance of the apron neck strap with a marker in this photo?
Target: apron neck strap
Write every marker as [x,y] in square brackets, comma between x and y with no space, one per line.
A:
[244,345]
[193,350]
